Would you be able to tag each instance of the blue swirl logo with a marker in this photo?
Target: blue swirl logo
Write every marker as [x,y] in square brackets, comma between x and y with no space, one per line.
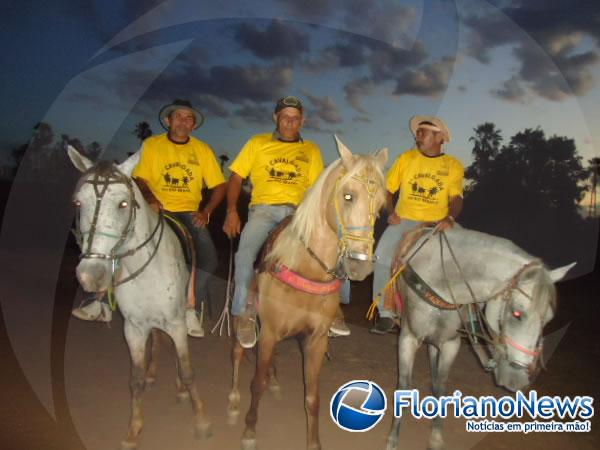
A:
[358,406]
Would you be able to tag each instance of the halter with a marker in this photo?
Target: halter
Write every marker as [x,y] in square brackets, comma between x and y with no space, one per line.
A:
[100,182]
[344,232]
[498,341]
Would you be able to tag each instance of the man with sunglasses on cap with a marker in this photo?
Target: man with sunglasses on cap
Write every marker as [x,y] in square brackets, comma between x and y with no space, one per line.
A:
[431,187]
[171,173]
[281,166]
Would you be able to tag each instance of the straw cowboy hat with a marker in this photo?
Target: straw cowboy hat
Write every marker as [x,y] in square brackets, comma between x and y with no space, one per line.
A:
[179,104]
[431,123]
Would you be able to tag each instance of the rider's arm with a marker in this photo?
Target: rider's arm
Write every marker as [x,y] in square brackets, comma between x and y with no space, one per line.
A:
[455,206]
[216,197]
[231,227]
[147,193]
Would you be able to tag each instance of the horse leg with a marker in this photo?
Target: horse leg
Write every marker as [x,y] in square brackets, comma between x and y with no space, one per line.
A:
[266,347]
[315,347]
[442,359]
[274,386]
[152,349]
[136,341]
[407,348]
[185,374]
[233,407]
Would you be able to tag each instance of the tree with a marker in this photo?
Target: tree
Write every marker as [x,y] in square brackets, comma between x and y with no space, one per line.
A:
[93,151]
[594,171]
[224,158]
[142,131]
[528,190]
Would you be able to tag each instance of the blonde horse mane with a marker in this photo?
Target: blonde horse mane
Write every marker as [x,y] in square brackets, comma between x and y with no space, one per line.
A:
[311,213]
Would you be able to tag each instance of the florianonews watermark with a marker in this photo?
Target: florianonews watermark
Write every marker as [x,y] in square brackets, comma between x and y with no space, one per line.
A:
[361,402]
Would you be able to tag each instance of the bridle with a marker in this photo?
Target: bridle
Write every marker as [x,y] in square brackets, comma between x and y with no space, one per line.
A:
[101,177]
[498,342]
[347,233]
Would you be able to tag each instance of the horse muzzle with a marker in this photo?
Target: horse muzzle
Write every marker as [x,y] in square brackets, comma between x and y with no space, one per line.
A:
[512,376]
[93,275]
[357,266]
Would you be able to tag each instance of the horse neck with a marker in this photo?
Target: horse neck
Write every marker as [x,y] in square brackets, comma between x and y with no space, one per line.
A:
[145,220]
[487,264]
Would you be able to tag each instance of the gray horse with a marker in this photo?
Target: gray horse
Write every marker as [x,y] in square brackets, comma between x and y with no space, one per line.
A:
[128,252]
[461,267]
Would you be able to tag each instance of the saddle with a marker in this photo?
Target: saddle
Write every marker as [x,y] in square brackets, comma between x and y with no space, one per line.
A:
[393,299]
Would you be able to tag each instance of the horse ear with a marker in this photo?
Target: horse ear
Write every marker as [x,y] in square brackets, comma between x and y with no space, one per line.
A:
[79,161]
[129,164]
[345,153]
[382,156]
[559,273]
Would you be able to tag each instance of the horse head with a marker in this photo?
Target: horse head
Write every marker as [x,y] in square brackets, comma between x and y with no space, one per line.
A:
[517,318]
[106,204]
[354,204]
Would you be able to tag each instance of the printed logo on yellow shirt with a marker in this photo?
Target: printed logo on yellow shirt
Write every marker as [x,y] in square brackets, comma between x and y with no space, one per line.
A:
[425,188]
[282,170]
[176,177]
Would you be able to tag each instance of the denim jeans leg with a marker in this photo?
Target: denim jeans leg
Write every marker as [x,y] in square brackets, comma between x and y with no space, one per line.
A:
[261,220]
[385,250]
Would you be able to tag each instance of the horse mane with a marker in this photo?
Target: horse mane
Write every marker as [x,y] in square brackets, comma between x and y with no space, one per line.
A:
[310,214]
[544,290]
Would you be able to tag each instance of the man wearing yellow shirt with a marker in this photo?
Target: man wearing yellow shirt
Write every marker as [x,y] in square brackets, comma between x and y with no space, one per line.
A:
[171,173]
[431,187]
[281,166]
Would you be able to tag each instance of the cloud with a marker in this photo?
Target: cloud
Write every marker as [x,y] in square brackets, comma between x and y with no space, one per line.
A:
[325,109]
[429,80]
[560,68]
[211,105]
[356,89]
[511,90]
[255,113]
[278,40]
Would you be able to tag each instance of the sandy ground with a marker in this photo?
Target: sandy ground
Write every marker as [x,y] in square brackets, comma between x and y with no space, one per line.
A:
[90,367]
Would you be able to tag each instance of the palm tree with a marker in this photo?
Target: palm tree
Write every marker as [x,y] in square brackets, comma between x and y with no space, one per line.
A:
[594,168]
[224,158]
[142,131]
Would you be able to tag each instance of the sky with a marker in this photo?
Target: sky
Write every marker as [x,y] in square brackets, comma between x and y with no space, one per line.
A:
[94,69]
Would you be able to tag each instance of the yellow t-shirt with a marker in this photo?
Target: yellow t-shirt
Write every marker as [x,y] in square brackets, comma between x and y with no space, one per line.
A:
[280,172]
[426,184]
[175,173]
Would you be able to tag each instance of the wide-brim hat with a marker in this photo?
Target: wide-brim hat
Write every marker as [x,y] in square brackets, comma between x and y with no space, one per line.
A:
[430,122]
[179,104]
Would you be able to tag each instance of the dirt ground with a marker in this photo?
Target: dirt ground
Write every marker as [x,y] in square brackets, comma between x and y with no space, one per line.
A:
[90,370]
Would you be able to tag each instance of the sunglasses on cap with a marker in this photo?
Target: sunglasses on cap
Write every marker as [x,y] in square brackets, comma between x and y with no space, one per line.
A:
[288,102]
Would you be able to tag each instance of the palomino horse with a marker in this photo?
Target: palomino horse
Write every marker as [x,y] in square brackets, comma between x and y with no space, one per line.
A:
[330,236]
[459,267]
[128,252]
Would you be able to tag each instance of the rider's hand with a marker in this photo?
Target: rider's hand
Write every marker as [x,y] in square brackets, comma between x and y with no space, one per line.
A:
[232,224]
[394,219]
[155,205]
[445,223]
[201,218]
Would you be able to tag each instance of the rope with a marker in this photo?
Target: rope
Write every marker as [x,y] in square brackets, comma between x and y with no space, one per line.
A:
[224,318]
[371,311]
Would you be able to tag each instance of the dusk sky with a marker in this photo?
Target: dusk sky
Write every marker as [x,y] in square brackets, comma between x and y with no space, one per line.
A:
[363,67]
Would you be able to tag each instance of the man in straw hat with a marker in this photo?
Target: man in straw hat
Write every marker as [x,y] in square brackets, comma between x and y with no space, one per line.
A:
[431,186]
[281,166]
[172,170]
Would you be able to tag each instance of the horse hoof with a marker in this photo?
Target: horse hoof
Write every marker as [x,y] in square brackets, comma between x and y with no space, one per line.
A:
[182,396]
[248,444]
[232,416]
[275,390]
[128,445]
[203,430]
[149,383]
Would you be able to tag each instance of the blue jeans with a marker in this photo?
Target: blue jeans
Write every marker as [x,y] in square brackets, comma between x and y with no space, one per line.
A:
[261,220]
[206,254]
[386,248]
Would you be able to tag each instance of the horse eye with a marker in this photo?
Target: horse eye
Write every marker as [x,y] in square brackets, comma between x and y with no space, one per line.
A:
[517,314]
[124,204]
[348,197]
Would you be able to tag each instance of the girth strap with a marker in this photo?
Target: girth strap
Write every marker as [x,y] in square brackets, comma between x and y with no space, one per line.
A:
[423,290]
